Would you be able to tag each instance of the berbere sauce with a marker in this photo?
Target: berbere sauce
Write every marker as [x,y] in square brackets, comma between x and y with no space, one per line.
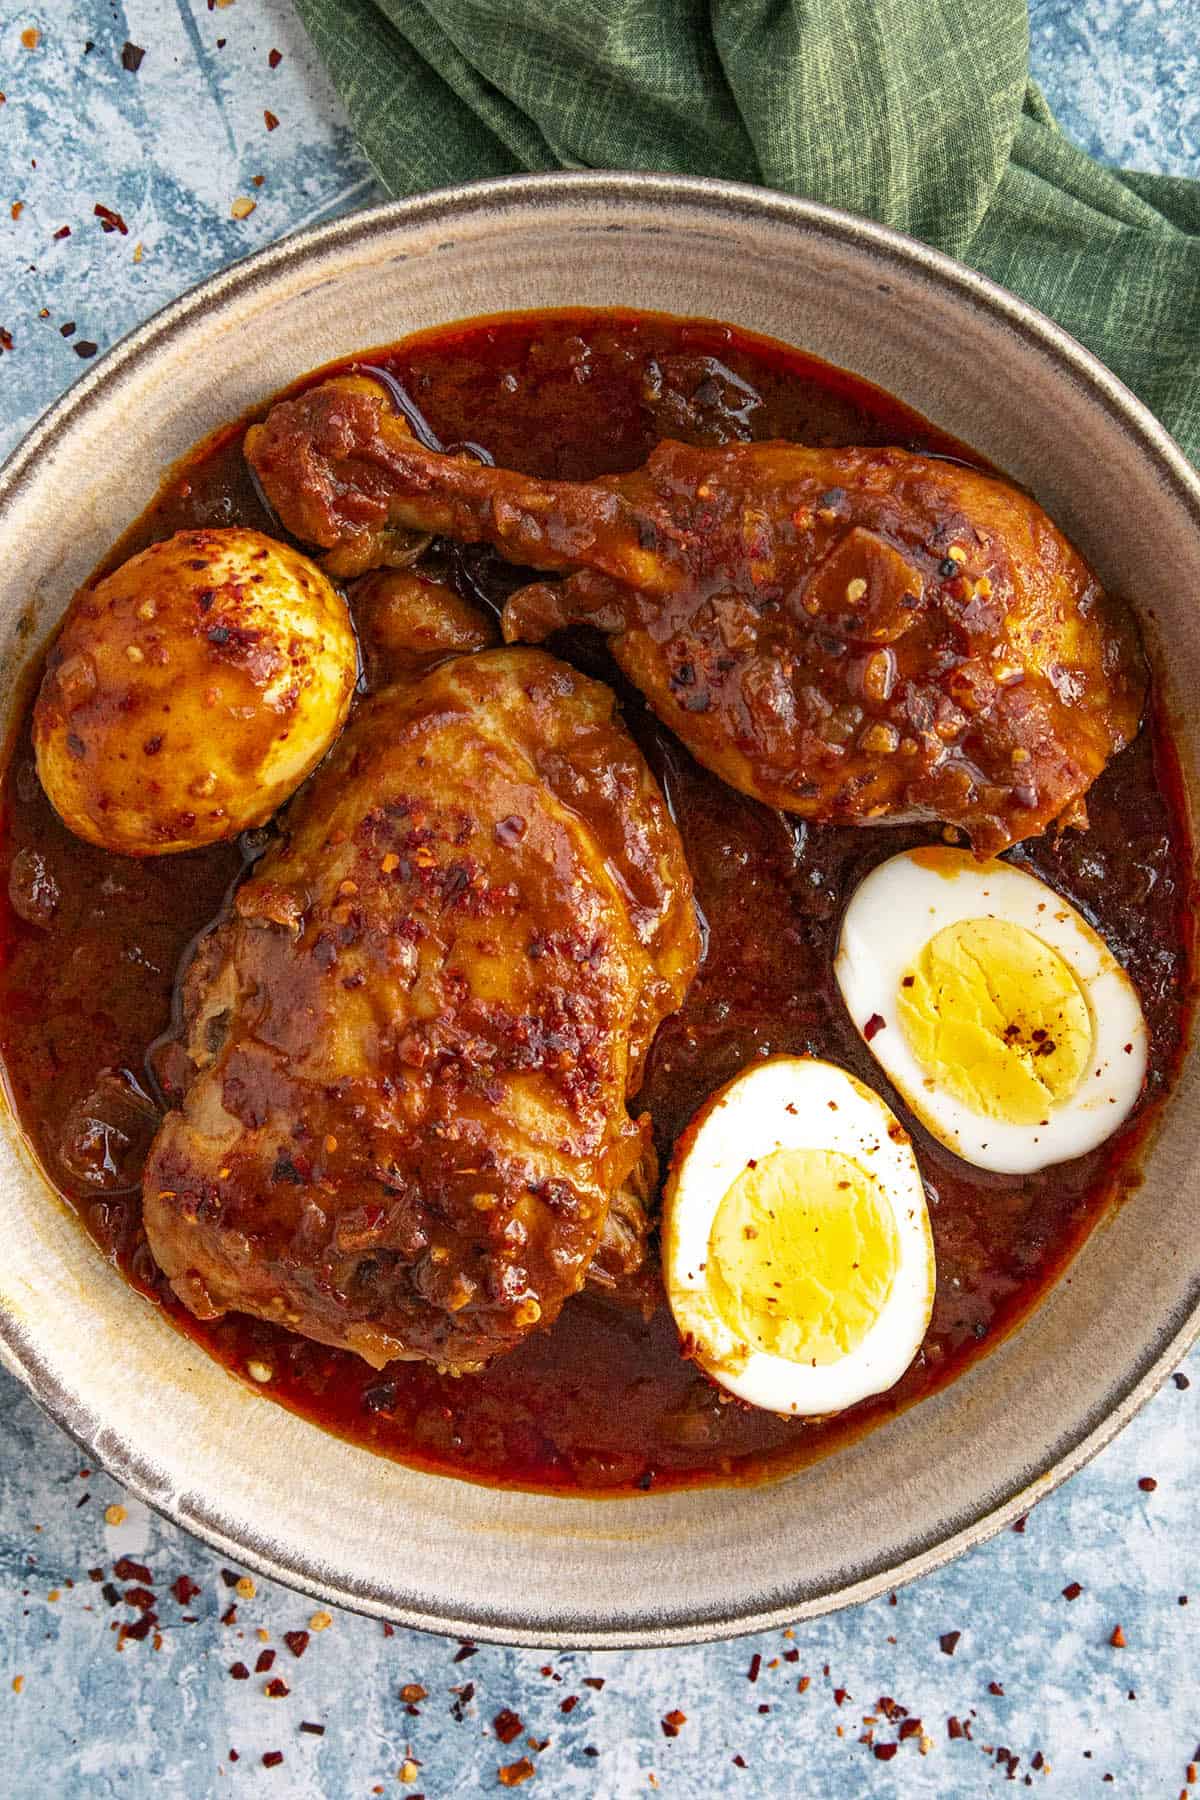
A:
[91,945]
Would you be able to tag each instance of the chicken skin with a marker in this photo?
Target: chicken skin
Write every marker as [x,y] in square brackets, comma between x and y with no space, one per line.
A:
[852,635]
[411,1041]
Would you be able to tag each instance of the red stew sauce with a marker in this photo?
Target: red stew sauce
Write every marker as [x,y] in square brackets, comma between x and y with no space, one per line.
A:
[90,946]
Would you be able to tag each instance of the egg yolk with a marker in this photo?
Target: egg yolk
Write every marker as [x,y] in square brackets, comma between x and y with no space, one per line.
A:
[802,1255]
[998,1019]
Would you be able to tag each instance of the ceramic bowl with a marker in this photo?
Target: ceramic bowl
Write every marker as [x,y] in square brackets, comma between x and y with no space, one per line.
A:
[277,1494]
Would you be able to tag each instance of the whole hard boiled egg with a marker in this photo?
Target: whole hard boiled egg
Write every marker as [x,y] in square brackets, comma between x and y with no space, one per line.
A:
[191,691]
[997,1012]
[797,1253]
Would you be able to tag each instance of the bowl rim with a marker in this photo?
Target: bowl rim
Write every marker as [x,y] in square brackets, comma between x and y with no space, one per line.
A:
[725,198]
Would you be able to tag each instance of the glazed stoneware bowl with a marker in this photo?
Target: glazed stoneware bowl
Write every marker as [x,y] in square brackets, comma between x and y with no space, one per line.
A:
[276,1493]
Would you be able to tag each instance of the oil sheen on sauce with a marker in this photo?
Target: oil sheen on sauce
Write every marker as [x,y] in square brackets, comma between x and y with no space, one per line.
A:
[90,945]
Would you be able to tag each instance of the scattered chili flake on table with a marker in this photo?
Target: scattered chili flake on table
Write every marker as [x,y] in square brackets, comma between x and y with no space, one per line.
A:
[1072,1590]
[885,1752]
[312,1729]
[86,348]
[64,231]
[1117,1640]
[272,1759]
[1020,1524]
[672,1723]
[515,1773]
[18,1684]
[274,58]
[184,1589]
[244,1588]
[594,1681]
[277,1689]
[131,56]
[270,120]
[297,1642]
[949,1642]
[507,1725]
[110,220]
[266,1660]
[755,1666]
[31,37]
[1147,1484]
[994,1687]
[569,1704]
[242,207]
[321,1621]
[17,208]
[239,1671]
[1180,1379]
[114,1514]
[874,1025]
[412,1691]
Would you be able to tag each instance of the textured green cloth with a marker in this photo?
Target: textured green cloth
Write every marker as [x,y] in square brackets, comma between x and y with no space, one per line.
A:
[916,112]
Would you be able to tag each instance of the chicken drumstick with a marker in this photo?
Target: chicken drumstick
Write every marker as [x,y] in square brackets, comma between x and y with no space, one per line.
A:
[854,635]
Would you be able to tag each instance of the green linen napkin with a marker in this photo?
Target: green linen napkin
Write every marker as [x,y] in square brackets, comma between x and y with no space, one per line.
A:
[919,113]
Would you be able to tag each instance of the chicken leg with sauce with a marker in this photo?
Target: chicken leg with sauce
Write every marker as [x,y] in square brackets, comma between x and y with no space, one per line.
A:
[853,635]
[410,1045]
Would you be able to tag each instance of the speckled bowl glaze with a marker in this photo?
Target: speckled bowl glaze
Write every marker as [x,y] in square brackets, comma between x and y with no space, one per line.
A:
[276,1493]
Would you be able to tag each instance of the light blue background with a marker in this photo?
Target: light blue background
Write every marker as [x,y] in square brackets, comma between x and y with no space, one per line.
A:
[170,148]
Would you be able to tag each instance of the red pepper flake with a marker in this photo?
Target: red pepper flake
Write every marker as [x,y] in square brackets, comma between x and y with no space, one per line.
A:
[874,1025]
[312,1729]
[804,1683]
[277,1689]
[229,1616]
[274,58]
[95,1574]
[64,231]
[85,348]
[184,1589]
[137,1634]
[672,1722]
[1072,1590]
[272,1759]
[910,1728]
[1147,1484]
[388,1631]
[269,119]
[994,1687]
[1020,1524]
[791,1656]
[507,1725]
[954,1727]
[31,37]
[569,1704]
[465,1649]
[538,1743]
[763,1707]
[515,1773]
[128,1570]
[755,1666]
[140,1597]
[266,1660]
[1037,1759]
[1181,1381]
[110,220]
[739,1762]
[234,1757]
[131,57]
[594,1681]
[239,1671]
[296,1641]
[885,1752]
[949,1642]
[1117,1640]
[840,1695]
[412,1691]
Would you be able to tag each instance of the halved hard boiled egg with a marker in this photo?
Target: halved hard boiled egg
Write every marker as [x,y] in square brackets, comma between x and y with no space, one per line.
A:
[797,1253]
[1003,1019]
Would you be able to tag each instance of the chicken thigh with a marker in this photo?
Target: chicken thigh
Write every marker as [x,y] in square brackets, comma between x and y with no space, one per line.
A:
[411,1042]
[853,635]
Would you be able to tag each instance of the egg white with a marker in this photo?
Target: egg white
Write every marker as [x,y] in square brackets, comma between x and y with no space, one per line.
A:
[795,1103]
[891,917]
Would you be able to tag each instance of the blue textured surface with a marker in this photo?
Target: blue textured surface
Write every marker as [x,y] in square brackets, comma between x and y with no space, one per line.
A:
[170,147]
